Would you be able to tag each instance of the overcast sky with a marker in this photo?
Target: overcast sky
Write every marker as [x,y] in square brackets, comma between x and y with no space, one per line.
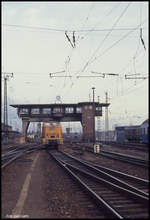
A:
[107,40]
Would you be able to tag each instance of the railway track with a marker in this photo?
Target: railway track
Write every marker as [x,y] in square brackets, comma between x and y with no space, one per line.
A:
[126,158]
[117,198]
[136,182]
[16,152]
[121,157]
[128,145]
[16,146]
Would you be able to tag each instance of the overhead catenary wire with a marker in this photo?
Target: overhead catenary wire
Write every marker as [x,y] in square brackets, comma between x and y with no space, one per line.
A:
[139,37]
[130,89]
[64,30]
[91,30]
[105,74]
[69,39]
[141,28]
[50,74]
[124,36]
[113,45]
[106,36]
[67,63]
[131,61]
[142,38]
[69,35]
[83,25]
[74,41]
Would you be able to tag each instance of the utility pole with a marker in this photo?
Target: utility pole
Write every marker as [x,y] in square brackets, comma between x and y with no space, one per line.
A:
[93,115]
[6,77]
[89,97]
[98,125]
[106,118]
[93,93]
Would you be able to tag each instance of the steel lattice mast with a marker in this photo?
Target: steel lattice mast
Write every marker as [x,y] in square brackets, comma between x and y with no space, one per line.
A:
[6,77]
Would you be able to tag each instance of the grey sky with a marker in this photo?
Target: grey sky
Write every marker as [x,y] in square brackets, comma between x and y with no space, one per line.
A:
[31,54]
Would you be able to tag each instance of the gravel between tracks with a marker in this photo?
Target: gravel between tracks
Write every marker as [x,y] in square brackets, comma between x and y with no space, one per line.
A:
[58,193]
[51,194]
[127,168]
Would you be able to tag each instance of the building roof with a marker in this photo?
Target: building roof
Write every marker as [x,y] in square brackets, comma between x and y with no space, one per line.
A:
[146,121]
[59,105]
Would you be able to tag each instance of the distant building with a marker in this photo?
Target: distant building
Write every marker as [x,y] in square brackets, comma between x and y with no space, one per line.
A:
[73,136]
[11,135]
[134,133]
[3,127]
[145,126]
[145,131]
[100,136]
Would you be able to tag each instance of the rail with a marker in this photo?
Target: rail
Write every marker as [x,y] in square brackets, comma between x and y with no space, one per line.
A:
[121,157]
[14,154]
[117,198]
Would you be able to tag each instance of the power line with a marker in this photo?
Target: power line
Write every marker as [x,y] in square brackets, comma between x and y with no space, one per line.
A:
[61,76]
[129,90]
[69,39]
[131,60]
[88,76]
[124,36]
[112,9]
[86,19]
[64,30]
[129,76]
[56,73]
[107,35]
[142,38]
[104,74]
[101,74]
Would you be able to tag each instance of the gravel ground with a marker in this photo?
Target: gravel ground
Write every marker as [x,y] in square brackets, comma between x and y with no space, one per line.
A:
[51,194]
[132,152]
[130,169]
[12,179]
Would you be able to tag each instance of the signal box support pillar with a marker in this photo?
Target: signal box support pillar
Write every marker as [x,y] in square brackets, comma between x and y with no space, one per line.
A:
[25,125]
[88,123]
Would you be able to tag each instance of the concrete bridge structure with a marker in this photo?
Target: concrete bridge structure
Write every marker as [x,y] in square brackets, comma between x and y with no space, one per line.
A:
[85,112]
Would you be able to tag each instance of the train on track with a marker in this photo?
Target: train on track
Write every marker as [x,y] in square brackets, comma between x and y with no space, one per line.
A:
[52,135]
[138,133]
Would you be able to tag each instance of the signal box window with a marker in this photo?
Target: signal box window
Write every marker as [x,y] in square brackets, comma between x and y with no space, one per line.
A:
[69,110]
[79,110]
[35,111]
[57,110]
[46,111]
[98,108]
[23,111]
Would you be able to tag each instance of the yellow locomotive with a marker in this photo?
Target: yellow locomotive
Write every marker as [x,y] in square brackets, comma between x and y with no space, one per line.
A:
[52,134]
